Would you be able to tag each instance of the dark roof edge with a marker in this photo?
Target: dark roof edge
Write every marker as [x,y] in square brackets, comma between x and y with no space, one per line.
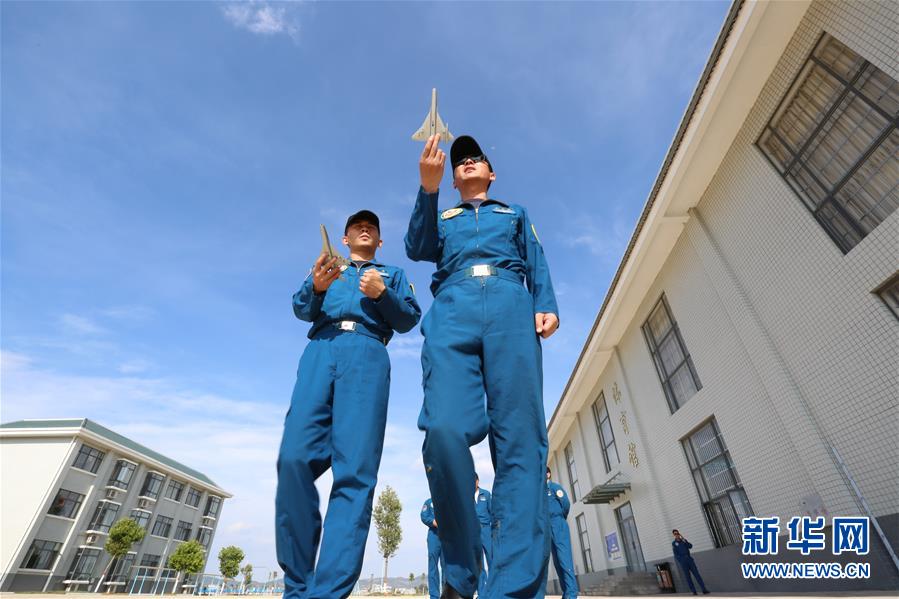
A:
[723,36]
[110,435]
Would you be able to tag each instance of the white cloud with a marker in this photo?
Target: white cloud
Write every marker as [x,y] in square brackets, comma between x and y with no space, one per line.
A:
[261,17]
[81,325]
[134,366]
[406,346]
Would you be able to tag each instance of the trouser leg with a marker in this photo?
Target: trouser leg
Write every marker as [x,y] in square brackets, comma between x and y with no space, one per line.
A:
[695,572]
[453,418]
[513,378]
[305,454]
[361,389]
[563,558]
[433,565]
[685,570]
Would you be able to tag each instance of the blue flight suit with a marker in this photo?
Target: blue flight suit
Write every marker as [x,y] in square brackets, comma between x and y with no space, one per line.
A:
[681,551]
[485,520]
[561,546]
[480,338]
[336,420]
[435,555]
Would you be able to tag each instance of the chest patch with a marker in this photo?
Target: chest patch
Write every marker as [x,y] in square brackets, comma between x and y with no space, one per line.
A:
[503,210]
[448,214]
[560,494]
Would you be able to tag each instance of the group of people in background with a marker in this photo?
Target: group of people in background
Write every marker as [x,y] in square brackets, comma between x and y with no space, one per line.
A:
[558,507]
[482,377]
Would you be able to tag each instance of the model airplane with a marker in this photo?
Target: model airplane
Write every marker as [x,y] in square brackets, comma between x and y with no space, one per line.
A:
[433,125]
[331,252]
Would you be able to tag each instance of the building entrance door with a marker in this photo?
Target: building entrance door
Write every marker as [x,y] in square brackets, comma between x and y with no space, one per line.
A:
[630,539]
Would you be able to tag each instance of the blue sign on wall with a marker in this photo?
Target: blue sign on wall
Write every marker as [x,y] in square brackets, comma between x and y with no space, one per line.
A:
[612,547]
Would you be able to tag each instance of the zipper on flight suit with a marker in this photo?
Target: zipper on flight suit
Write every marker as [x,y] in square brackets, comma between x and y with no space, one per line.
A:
[477,237]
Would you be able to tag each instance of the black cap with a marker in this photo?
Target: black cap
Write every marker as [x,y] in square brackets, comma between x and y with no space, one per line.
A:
[466,146]
[366,215]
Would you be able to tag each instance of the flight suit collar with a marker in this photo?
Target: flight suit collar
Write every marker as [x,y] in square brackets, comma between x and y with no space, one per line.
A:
[374,263]
[484,203]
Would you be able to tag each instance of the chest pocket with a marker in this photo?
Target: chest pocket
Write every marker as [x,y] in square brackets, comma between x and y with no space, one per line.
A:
[457,230]
[505,222]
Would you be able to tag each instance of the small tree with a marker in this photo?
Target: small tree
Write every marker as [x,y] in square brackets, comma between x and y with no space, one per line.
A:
[229,562]
[188,559]
[122,536]
[387,520]
[411,580]
[247,572]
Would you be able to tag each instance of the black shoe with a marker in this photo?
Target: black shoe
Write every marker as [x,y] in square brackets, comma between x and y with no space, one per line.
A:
[706,591]
[451,593]
[694,592]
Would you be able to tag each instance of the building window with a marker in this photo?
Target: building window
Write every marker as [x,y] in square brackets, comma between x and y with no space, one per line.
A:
[41,555]
[834,139]
[193,497]
[141,517]
[720,490]
[121,474]
[889,293]
[174,490]
[88,459]
[162,527]
[572,473]
[212,506]
[204,536]
[606,436]
[104,516]
[182,532]
[585,543]
[148,564]
[123,568]
[66,504]
[152,485]
[669,354]
[83,565]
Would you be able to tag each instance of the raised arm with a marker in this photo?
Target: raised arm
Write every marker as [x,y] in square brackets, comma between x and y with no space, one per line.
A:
[422,239]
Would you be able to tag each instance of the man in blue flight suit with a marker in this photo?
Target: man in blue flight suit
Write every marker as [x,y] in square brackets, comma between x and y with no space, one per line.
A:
[485,520]
[482,336]
[338,412]
[435,556]
[681,548]
[561,544]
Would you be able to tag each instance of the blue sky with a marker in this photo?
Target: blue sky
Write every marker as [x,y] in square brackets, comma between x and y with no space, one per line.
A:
[165,167]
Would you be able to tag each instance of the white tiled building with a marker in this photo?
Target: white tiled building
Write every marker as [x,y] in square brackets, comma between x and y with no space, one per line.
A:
[64,483]
[745,360]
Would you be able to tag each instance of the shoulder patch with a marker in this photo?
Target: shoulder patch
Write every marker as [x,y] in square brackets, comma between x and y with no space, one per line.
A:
[503,210]
[448,214]
[560,493]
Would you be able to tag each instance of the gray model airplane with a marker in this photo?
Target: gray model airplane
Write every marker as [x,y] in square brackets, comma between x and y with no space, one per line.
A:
[331,252]
[433,125]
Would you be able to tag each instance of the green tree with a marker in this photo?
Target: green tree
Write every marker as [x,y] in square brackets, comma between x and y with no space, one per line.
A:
[229,562]
[122,536]
[247,572]
[188,559]
[387,520]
